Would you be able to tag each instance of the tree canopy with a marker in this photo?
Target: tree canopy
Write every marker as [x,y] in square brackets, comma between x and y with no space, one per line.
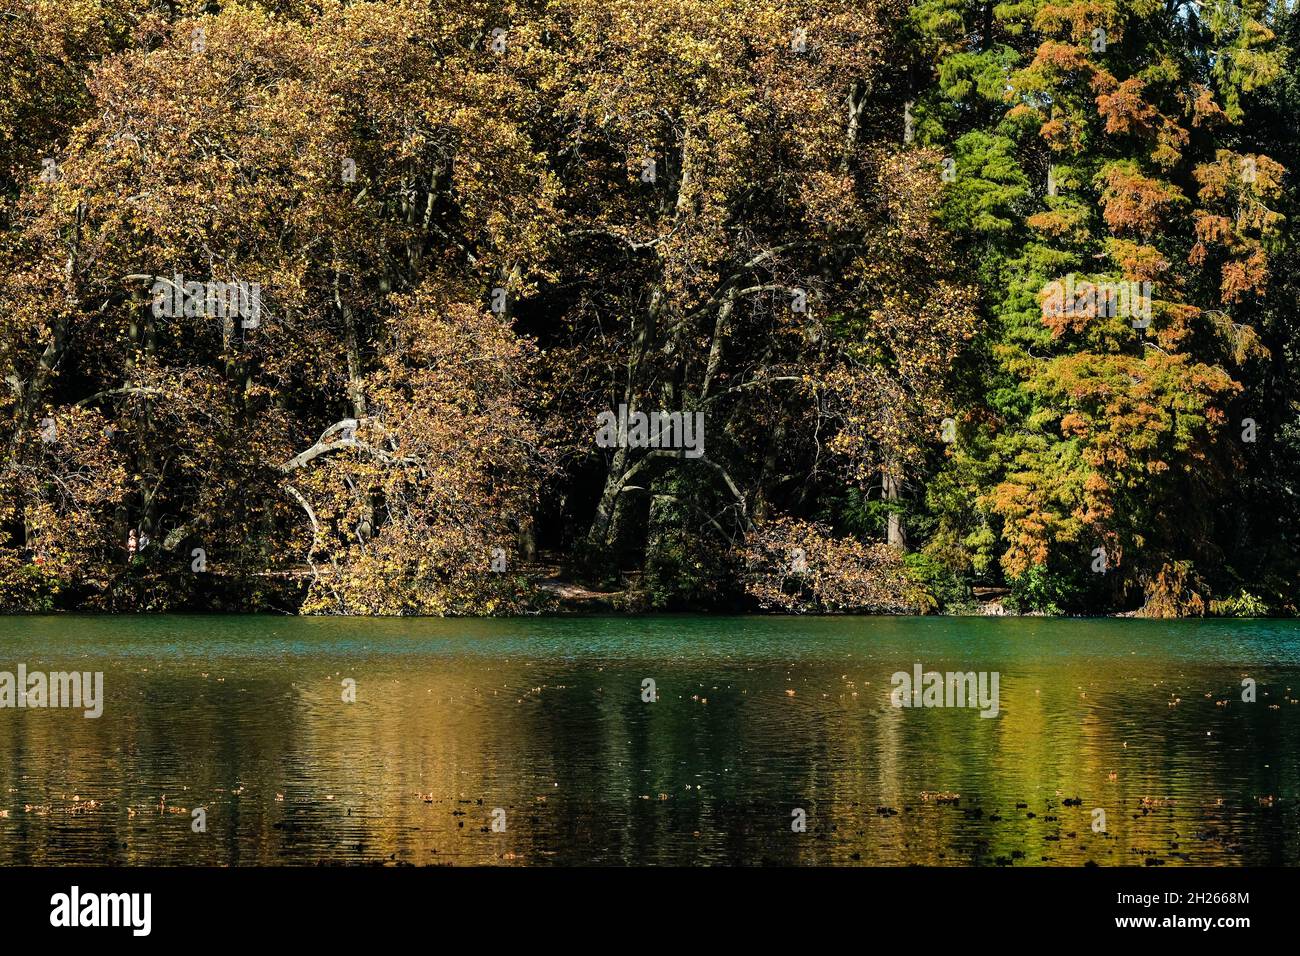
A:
[315,306]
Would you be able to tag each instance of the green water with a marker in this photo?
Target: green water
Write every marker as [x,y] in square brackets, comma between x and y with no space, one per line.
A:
[756,718]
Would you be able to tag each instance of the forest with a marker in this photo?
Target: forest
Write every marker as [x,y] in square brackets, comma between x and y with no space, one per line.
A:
[461,307]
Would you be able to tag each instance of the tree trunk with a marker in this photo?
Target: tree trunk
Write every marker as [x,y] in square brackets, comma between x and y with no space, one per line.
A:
[768,474]
[601,523]
[598,533]
[890,487]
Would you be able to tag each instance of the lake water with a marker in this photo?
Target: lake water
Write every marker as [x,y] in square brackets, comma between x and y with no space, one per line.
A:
[756,719]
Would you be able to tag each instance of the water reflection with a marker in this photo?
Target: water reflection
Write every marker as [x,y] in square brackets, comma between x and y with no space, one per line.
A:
[245,718]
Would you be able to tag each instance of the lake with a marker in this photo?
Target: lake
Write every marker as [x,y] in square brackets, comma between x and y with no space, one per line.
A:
[539,742]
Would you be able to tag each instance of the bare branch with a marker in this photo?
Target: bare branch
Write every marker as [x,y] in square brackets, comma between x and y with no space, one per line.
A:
[324,447]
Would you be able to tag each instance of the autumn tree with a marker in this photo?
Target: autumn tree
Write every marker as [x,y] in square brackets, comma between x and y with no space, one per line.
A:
[1102,147]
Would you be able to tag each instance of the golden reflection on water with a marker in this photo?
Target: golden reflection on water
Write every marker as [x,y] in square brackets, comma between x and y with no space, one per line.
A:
[440,736]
